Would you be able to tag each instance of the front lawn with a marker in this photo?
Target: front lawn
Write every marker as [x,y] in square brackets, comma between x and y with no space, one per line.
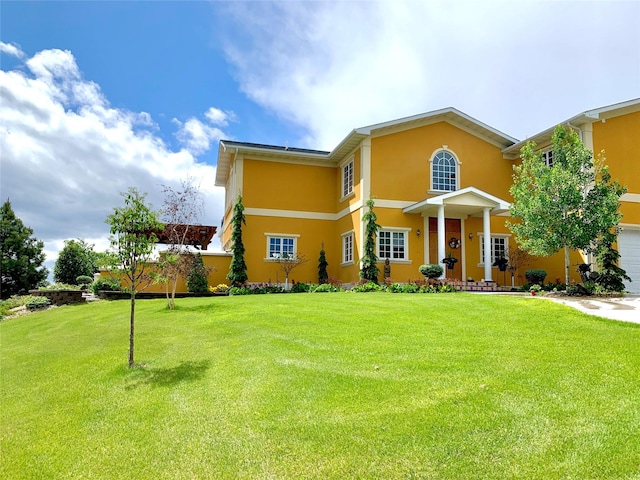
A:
[314,386]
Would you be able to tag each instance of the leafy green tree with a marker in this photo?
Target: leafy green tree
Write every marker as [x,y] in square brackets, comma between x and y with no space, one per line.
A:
[323,276]
[75,259]
[238,269]
[22,255]
[570,205]
[197,279]
[133,239]
[369,270]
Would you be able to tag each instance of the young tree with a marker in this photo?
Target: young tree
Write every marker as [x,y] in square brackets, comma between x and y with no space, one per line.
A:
[22,255]
[288,262]
[323,276]
[238,269]
[133,239]
[181,210]
[369,270]
[75,259]
[570,205]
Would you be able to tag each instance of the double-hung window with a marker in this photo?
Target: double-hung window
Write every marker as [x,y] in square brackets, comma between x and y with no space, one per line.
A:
[347,179]
[548,158]
[444,172]
[392,244]
[499,247]
[347,248]
[281,246]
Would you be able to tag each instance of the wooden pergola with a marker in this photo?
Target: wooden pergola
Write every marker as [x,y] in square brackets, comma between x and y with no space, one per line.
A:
[198,236]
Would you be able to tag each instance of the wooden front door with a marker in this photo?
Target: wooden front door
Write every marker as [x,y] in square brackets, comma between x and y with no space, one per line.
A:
[452,229]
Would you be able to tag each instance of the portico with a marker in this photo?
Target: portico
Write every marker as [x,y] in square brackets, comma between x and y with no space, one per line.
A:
[460,204]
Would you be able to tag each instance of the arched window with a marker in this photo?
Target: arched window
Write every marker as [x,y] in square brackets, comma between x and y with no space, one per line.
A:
[444,172]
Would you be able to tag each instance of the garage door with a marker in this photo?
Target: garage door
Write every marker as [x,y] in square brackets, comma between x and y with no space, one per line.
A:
[629,248]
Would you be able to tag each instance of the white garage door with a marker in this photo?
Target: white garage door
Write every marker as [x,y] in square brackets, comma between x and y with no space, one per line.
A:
[629,248]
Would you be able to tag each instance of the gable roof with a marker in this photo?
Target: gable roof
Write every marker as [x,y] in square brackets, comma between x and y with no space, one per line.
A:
[597,114]
[450,115]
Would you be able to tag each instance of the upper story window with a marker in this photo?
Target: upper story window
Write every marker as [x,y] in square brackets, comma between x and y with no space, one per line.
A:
[444,171]
[347,178]
[392,244]
[548,158]
[279,246]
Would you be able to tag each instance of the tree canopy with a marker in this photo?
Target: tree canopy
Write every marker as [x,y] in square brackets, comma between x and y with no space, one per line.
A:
[75,259]
[22,255]
[133,239]
[570,205]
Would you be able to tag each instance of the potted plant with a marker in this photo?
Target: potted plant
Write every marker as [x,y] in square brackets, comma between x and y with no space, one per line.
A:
[431,271]
[501,263]
[450,261]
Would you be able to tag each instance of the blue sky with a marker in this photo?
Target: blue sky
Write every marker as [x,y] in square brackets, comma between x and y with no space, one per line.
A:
[99,96]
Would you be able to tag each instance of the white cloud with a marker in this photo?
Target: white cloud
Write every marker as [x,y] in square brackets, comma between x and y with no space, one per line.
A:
[518,66]
[11,49]
[67,154]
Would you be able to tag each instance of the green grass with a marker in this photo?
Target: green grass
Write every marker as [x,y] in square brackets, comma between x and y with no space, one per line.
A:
[379,386]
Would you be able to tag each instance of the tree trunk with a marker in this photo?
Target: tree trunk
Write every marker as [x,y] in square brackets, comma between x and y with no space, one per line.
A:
[566,266]
[131,328]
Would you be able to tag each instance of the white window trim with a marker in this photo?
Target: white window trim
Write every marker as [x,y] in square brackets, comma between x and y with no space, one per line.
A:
[343,166]
[458,164]
[406,232]
[350,233]
[480,236]
[546,154]
[295,237]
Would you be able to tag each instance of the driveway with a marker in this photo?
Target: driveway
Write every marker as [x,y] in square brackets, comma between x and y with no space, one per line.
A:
[625,309]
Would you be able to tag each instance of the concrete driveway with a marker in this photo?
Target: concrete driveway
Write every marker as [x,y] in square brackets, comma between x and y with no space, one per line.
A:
[625,309]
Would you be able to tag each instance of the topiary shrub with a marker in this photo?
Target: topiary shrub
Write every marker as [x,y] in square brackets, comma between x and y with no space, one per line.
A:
[535,275]
[84,281]
[431,270]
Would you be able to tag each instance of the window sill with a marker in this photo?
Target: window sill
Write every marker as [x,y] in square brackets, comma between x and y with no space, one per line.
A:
[348,196]
[395,261]
[347,264]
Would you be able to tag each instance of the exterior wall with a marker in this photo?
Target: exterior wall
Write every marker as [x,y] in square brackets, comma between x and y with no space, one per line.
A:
[620,139]
[405,157]
[218,263]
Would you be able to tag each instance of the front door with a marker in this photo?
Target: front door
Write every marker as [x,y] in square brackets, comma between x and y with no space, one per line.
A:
[453,244]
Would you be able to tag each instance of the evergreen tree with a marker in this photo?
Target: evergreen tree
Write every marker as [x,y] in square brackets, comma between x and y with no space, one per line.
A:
[197,281]
[22,255]
[75,259]
[238,269]
[369,270]
[323,276]
[610,276]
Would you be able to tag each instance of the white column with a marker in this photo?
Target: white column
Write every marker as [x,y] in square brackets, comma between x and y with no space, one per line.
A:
[441,238]
[486,231]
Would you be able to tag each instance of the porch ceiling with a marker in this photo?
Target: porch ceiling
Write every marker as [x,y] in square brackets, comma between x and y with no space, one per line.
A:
[468,202]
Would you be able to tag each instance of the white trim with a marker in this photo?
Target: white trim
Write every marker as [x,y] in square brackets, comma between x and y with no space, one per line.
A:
[631,197]
[405,231]
[288,235]
[343,168]
[268,212]
[343,262]
[281,236]
[457,161]
[480,236]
